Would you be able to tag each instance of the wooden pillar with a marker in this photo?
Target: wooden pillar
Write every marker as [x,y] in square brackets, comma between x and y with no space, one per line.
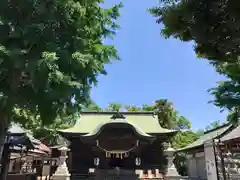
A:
[69,163]
[80,157]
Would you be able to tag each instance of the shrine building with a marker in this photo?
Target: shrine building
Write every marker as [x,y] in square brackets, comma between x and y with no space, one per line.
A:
[108,140]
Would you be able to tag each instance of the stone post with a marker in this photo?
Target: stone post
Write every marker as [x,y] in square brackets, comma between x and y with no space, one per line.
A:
[191,165]
[62,172]
[172,172]
[210,153]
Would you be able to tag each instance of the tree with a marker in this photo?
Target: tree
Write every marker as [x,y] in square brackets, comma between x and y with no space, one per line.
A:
[234,116]
[51,53]
[94,107]
[183,123]
[48,133]
[166,114]
[146,107]
[213,125]
[214,28]
[227,92]
[130,108]
[114,107]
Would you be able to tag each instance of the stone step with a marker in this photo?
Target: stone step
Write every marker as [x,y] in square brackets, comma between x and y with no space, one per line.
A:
[123,174]
[81,177]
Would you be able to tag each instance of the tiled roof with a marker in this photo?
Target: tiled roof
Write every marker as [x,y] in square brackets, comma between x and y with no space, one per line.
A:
[16,129]
[145,122]
[234,134]
[207,136]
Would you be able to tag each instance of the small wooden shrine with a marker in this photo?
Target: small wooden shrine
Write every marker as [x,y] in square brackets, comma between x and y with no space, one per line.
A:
[107,140]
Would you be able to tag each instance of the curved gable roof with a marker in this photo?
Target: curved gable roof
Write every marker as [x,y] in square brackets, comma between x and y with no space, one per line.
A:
[101,126]
[142,121]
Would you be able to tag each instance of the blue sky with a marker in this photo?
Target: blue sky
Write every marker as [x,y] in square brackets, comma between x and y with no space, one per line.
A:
[152,67]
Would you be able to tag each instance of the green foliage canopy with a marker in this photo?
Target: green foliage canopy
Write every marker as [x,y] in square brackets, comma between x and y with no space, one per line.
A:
[50,53]
[214,28]
[114,107]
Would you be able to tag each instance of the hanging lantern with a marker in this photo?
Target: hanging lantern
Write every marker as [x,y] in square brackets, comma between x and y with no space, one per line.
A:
[96,161]
[138,161]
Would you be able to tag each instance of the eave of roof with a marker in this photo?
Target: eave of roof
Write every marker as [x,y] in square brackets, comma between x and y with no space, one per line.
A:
[234,134]
[136,128]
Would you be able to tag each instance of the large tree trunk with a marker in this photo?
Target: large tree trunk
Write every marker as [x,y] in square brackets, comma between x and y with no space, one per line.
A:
[2,138]
[5,119]
[4,124]
[5,162]
[4,157]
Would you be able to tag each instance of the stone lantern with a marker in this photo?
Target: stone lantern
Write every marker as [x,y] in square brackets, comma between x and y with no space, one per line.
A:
[62,172]
[171,169]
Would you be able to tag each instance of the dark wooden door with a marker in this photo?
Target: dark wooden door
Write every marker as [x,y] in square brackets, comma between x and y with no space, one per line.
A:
[117,163]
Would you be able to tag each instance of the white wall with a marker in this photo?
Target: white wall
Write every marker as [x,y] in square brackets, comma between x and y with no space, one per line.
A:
[196,165]
[201,165]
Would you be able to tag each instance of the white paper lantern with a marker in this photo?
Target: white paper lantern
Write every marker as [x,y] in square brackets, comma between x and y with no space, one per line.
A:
[96,161]
[138,161]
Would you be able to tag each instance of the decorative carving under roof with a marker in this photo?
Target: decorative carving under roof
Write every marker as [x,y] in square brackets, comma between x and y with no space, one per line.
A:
[118,115]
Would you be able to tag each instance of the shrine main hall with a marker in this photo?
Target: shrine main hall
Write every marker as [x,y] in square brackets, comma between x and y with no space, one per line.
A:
[124,140]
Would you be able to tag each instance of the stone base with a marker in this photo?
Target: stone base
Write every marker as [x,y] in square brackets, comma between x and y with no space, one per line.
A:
[120,174]
[172,172]
[61,173]
[61,177]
